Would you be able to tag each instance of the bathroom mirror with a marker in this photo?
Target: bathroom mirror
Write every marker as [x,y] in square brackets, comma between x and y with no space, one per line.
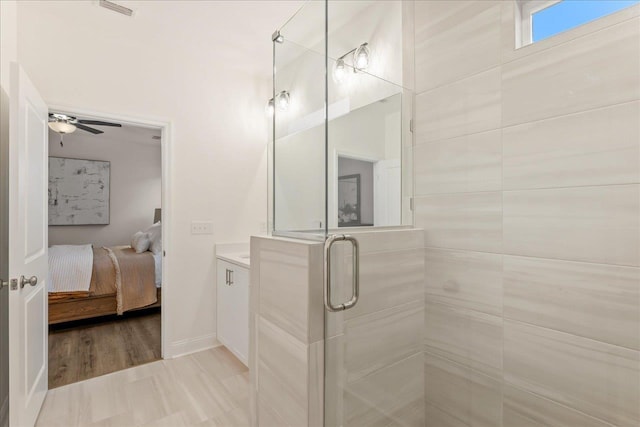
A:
[366,144]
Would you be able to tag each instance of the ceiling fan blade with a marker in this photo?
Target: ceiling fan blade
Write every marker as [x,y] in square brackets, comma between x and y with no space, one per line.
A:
[98,123]
[88,129]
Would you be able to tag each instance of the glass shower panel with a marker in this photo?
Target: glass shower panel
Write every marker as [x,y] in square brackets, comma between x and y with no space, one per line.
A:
[367,107]
[299,125]
[373,359]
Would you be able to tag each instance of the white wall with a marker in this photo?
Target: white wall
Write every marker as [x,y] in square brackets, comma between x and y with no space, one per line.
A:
[136,184]
[202,65]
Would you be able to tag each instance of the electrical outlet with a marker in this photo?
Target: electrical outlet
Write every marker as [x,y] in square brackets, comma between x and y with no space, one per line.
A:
[201,227]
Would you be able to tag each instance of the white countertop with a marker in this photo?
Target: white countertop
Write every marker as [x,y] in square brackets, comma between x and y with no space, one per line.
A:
[235,253]
[241,259]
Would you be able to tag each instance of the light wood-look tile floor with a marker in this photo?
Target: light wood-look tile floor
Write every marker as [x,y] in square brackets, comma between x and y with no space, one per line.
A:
[209,388]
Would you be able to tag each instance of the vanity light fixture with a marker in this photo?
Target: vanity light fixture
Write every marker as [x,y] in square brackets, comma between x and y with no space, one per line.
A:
[271,107]
[360,60]
[361,57]
[340,72]
[277,37]
[283,100]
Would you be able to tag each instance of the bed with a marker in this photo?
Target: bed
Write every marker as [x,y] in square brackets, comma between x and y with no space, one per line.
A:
[101,281]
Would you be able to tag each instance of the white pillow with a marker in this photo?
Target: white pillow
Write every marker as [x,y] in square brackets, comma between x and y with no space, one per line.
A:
[140,242]
[155,235]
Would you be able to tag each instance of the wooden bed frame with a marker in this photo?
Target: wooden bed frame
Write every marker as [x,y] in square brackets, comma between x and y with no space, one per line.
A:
[86,308]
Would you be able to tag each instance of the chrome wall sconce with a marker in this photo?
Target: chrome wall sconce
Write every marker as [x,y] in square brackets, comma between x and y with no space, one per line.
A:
[277,37]
[360,60]
[281,102]
[271,107]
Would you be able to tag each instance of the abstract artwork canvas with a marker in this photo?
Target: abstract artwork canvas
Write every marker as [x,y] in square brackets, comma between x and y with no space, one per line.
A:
[78,191]
[349,200]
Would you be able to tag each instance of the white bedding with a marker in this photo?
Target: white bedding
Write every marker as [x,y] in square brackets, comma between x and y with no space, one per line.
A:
[157,258]
[70,268]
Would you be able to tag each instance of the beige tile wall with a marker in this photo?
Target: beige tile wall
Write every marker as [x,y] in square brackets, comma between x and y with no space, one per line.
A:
[527,184]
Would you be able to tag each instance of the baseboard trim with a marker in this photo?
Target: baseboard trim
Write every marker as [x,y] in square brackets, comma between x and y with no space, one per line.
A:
[191,345]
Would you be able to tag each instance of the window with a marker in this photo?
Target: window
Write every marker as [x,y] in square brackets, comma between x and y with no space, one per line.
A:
[541,19]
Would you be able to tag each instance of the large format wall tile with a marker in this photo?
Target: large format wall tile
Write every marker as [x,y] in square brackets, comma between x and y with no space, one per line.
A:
[596,147]
[524,409]
[467,106]
[394,394]
[383,338]
[471,221]
[464,164]
[282,371]
[284,286]
[595,224]
[596,301]
[455,39]
[473,398]
[388,240]
[599,69]
[387,279]
[471,280]
[468,337]
[598,379]
[436,417]
[280,398]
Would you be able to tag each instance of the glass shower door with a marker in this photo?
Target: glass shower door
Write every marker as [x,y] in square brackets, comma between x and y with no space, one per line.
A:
[374,261]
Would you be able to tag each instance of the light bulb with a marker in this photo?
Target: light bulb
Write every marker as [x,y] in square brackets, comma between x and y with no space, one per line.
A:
[283,100]
[271,107]
[340,71]
[361,57]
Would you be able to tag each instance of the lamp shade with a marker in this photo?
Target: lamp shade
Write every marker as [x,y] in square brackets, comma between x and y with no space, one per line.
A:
[62,127]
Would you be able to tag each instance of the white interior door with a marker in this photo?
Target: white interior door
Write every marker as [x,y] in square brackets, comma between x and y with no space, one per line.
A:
[28,258]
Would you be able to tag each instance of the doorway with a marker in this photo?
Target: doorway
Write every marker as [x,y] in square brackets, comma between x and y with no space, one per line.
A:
[106,201]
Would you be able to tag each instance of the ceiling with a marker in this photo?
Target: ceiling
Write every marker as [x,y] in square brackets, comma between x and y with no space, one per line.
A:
[233,34]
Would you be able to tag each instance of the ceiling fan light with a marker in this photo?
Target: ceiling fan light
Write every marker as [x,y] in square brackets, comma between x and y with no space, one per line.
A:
[62,127]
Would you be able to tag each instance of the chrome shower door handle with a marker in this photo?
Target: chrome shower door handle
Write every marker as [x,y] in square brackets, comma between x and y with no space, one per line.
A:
[355,283]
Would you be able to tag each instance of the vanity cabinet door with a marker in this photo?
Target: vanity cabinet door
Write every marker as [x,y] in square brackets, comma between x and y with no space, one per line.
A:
[233,308]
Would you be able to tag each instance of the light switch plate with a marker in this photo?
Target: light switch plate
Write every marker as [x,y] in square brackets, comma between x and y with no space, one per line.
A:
[201,227]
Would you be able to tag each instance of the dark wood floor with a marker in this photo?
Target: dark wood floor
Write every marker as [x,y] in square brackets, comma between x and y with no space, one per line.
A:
[86,349]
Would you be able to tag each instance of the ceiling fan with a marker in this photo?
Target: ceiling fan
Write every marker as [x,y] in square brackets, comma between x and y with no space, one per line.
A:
[64,124]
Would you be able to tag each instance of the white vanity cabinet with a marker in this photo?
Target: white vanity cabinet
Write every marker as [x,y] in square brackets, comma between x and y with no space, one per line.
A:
[233,307]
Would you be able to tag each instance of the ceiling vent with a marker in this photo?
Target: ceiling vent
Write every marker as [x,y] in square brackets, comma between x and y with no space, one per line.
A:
[116,7]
